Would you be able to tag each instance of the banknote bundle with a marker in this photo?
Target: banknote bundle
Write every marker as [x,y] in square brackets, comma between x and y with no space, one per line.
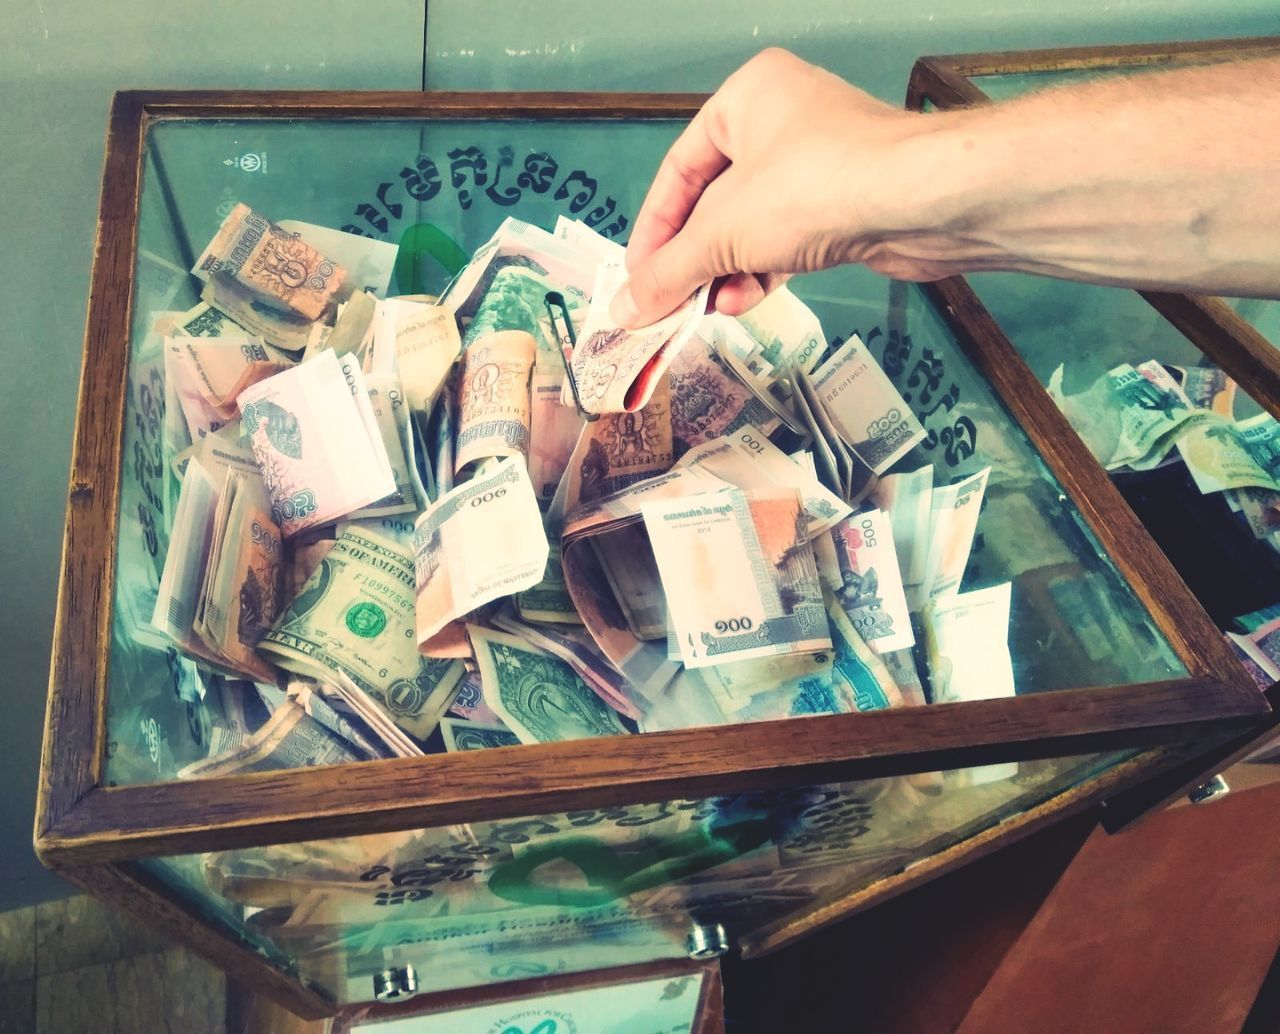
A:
[1152,415]
[406,524]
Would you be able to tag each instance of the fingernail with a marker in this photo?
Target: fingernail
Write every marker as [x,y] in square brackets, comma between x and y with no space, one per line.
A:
[623,309]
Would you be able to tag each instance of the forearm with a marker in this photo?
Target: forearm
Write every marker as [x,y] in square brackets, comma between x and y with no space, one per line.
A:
[1161,180]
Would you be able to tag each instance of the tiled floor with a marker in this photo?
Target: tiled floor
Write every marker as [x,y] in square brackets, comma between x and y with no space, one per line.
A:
[77,967]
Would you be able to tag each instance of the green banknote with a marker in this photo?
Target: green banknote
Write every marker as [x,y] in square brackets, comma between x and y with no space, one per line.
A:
[538,696]
[355,615]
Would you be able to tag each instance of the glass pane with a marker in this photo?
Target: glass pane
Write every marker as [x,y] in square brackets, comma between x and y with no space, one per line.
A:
[478,904]
[1074,621]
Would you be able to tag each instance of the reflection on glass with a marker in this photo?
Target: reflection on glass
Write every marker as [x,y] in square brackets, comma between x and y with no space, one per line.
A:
[1043,584]
[471,905]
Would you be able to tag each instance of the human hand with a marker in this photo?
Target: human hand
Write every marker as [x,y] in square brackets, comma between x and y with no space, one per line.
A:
[787,168]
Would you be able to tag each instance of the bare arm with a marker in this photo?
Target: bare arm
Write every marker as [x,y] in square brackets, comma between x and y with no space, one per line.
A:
[1165,179]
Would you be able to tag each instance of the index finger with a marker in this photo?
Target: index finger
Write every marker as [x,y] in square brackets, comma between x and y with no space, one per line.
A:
[693,161]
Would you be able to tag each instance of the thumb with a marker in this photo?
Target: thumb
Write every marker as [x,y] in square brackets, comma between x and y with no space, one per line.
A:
[664,280]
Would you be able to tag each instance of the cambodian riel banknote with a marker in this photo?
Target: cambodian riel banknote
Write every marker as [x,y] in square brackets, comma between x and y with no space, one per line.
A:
[1222,455]
[854,477]
[617,370]
[391,418]
[281,327]
[1130,416]
[190,543]
[868,582]
[316,440]
[787,331]
[538,696]
[424,340]
[1207,387]
[554,430]
[355,617]
[865,407]
[218,369]
[1259,507]
[202,320]
[290,738]
[867,678]
[762,688]
[246,582]
[952,524]
[908,500]
[746,458]
[711,396]
[968,637]
[739,576]
[459,734]
[481,541]
[493,398]
[618,450]
[271,262]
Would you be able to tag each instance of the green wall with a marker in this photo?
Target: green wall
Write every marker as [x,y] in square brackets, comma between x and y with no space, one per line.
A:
[59,63]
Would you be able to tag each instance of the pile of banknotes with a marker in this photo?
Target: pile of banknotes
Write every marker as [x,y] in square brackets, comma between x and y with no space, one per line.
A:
[1155,415]
[405,524]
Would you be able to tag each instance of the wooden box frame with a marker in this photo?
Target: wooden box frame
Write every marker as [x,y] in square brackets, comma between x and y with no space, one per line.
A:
[93,833]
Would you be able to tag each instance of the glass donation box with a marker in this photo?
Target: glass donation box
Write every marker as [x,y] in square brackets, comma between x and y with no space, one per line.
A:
[343,842]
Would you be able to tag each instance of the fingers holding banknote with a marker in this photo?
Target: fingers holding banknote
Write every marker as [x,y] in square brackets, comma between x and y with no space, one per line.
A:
[775,175]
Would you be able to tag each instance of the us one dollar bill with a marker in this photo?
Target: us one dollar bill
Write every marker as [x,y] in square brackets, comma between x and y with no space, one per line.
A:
[739,576]
[459,734]
[539,697]
[355,616]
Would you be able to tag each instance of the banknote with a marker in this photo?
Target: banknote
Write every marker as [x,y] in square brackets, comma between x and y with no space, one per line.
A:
[306,693]
[627,562]
[493,398]
[220,368]
[390,415]
[469,703]
[538,697]
[346,697]
[1259,507]
[522,245]
[578,650]
[481,541]
[273,263]
[280,327]
[554,430]
[739,576]
[517,299]
[1222,455]
[1207,387]
[767,687]
[1262,669]
[463,735]
[865,675]
[190,541]
[711,398]
[316,439]
[585,239]
[290,738]
[426,343]
[952,524]
[854,476]
[549,600]
[869,585]
[787,330]
[746,458]
[1129,416]
[865,407]
[967,635]
[908,500]
[246,582]
[351,330]
[616,370]
[616,451]
[202,320]
[355,618]
[182,387]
